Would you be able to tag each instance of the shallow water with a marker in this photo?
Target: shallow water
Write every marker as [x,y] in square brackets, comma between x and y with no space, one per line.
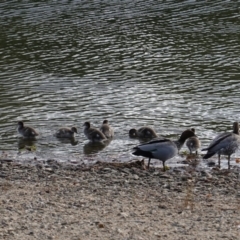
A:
[167,65]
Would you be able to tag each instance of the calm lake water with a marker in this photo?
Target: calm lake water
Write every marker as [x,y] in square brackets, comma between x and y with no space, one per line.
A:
[167,64]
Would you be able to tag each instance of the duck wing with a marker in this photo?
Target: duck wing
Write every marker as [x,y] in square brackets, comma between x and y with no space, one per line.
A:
[227,144]
[146,132]
[28,131]
[217,140]
[162,149]
[106,130]
[96,135]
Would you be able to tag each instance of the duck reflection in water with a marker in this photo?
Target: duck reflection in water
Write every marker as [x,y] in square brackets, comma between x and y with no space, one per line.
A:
[27,144]
[95,147]
[71,141]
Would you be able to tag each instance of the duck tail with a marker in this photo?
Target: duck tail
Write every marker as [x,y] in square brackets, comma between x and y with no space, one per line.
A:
[139,152]
[208,155]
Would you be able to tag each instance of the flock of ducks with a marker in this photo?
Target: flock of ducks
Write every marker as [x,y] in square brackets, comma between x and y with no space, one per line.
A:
[163,149]
[93,134]
[159,148]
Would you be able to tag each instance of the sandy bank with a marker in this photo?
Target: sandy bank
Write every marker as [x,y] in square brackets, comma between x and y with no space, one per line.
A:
[117,201]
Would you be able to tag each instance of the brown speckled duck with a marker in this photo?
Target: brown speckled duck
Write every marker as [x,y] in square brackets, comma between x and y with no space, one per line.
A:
[93,134]
[143,132]
[66,132]
[106,129]
[25,131]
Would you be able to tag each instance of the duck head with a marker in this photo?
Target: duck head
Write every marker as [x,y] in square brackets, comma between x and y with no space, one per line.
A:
[186,134]
[105,122]
[20,124]
[193,130]
[74,130]
[132,133]
[87,125]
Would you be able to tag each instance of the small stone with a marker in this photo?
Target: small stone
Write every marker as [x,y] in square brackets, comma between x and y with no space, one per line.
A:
[185,178]
[120,231]
[162,206]
[135,176]
[164,176]
[126,170]
[48,169]
[107,169]
[206,174]
[124,214]
[100,225]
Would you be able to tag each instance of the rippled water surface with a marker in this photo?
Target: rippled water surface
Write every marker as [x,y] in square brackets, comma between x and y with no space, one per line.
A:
[167,64]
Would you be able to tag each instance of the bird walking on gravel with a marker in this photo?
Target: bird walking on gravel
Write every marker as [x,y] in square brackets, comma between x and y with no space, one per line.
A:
[193,143]
[224,144]
[162,149]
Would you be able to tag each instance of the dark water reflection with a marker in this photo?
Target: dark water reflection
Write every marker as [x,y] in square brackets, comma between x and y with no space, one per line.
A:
[91,148]
[170,65]
[71,141]
[28,144]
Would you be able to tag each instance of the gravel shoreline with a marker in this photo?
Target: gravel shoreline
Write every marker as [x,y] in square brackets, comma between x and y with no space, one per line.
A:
[117,201]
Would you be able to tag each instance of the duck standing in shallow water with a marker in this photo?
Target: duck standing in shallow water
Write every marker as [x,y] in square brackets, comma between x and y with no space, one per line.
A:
[25,131]
[162,149]
[93,134]
[66,132]
[143,132]
[106,129]
[224,144]
[193,143]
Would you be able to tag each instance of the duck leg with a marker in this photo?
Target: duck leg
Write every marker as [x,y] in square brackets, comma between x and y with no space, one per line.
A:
[149,162]
[219,156]
[163,163]
[228,161]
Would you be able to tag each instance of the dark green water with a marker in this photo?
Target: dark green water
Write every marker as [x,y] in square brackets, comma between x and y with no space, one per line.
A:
[167,64]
